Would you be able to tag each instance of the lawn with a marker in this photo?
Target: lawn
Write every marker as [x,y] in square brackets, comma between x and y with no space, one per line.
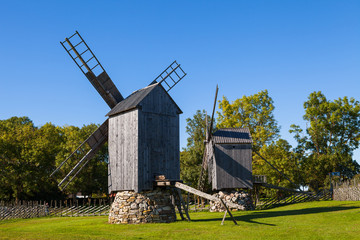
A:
[316,220]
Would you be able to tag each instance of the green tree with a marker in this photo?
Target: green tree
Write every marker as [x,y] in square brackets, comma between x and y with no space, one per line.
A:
[331,136]
[281,156]
[191,157]
[255,112]
[27,155]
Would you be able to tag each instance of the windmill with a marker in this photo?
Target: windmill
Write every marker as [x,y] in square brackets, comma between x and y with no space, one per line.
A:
[227,157]
[228,161]
[136,129]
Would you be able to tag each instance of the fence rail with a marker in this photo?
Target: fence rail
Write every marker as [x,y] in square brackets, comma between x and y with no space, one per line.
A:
[295,197]
[101,207]
[66,208]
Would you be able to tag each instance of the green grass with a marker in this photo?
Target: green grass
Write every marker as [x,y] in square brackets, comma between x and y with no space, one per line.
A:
[316,220]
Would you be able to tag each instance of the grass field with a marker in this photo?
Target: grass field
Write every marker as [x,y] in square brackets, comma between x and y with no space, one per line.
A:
[315,220]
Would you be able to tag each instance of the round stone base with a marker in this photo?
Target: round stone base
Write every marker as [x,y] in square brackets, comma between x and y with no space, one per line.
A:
[242,199]
[130,207]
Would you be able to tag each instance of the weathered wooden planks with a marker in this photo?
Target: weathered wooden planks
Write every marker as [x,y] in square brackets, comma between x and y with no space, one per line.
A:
[144,141]
[123,151]
[233,166]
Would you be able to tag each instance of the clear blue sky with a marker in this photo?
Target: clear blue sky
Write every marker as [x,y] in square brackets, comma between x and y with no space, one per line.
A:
[291,48]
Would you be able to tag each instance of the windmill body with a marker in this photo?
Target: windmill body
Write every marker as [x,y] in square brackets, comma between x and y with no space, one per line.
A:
[143,140]
[230,164]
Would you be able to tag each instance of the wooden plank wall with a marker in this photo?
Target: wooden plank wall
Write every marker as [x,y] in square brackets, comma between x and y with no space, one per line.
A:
[159,142]
[233,166]
[123,151]
[144,142]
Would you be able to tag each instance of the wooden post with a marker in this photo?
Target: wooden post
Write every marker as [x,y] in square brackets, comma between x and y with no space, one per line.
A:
[187,201]
[37,208]
[222,222]
[182,202]
[227,210]
[195,203]
[100,202]
[178,203]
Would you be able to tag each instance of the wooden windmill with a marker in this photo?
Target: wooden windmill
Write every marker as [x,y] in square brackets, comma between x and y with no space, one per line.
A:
[227,157]
[142,129]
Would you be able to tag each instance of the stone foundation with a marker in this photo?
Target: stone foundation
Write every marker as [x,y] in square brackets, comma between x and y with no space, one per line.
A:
[243,199]
[154,206]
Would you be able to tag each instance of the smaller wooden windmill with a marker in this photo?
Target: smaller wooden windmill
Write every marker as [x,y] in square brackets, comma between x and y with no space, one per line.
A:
[227,157]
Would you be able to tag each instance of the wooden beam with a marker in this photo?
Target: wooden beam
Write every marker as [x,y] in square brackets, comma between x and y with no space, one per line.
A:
[227,210]
[183,204]
[177,202]
[208,196]
[202,194]
[195,191]
[274,168]
[222,222]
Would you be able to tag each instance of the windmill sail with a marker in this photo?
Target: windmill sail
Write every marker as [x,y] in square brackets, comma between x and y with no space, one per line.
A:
[208,156]
[95,141]
[90,66]
[170,76]
[85,59]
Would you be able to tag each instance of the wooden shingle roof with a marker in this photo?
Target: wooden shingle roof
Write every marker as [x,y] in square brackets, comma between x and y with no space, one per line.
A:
[232,135]
[134,100]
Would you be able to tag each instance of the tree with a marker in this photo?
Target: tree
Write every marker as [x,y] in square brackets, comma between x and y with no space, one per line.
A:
[281,156]
[46,146]
[191,157]
[27,155]
[255,112]
[332,134]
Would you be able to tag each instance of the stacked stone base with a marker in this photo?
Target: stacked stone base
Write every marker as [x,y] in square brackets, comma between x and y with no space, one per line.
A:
[154,206]
[242,199]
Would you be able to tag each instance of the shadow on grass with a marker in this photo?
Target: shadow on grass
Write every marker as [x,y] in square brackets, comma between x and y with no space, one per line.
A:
[251,218]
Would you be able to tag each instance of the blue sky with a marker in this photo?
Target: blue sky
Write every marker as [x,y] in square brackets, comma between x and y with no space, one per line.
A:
[290,48]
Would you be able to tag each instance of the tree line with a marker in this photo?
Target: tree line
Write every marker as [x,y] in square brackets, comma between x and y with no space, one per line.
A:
[326,145]
[29,154]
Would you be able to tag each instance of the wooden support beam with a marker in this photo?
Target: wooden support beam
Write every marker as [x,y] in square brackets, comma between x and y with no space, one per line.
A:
[202,194]
[274,167]
[227,210]
[178,203]
[207,196]
[222,222]
[183,204]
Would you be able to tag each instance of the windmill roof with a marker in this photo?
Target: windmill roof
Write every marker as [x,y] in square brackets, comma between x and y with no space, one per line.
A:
[134,99]
[232,135]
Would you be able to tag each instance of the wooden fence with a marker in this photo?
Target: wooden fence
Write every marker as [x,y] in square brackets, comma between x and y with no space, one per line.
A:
[296,197]
[55,208]
[101,207]
[347,191]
